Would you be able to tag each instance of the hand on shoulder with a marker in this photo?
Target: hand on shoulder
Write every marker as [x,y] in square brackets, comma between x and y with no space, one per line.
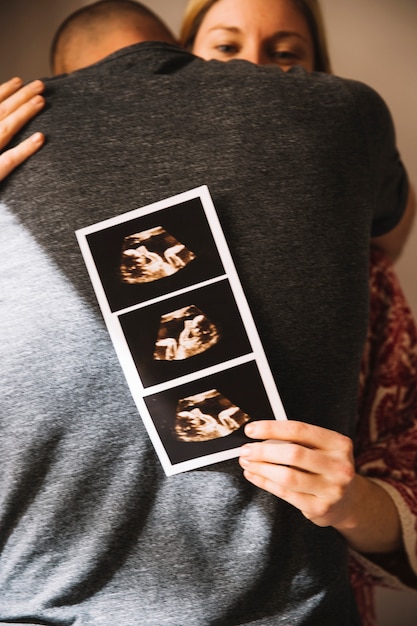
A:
[18,104]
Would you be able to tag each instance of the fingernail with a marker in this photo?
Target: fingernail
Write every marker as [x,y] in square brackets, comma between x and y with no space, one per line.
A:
[37,100]
[37,138]
[16,81]
[250,430]
[245,451]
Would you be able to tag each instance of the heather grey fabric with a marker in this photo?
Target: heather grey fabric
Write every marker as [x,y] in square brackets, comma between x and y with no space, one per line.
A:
[92,533]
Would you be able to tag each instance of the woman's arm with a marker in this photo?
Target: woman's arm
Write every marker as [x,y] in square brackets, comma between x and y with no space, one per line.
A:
[393,242]
[386,436]
[313,469]
[17,106]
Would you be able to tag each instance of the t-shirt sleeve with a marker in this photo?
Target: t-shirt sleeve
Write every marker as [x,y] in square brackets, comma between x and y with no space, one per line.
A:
[388,177]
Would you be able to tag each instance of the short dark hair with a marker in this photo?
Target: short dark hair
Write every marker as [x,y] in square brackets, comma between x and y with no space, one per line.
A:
[89,16]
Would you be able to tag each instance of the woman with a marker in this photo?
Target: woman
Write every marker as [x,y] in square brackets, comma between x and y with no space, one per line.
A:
[256,30]
[334,495]
[306,45]
[325,486]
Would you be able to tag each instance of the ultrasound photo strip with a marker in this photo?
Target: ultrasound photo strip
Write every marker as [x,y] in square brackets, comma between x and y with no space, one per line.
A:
[181,326]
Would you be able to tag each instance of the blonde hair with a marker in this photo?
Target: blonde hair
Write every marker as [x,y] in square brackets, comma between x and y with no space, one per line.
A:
[196,11]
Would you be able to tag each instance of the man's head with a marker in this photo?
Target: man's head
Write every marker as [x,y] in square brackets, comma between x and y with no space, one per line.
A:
[95,31]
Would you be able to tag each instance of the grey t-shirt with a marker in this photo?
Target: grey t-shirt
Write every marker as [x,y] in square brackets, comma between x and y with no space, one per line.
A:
[301,168]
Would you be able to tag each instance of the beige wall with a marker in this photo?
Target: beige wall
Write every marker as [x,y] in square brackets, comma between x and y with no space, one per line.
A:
[376,41]
[27,28]
[371,40]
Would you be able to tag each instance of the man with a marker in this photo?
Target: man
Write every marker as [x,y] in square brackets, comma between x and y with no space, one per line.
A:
[92,531]
[95,31]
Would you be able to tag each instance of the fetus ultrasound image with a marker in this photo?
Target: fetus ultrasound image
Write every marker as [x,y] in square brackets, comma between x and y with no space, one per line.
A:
[151,255]
[207,415]
[183,334]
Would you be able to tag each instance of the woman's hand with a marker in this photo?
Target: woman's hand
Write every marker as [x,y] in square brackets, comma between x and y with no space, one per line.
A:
[313,469]
[310,467]
[17,106]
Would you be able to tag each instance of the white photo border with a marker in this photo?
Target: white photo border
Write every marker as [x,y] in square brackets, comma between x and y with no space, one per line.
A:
[251,360]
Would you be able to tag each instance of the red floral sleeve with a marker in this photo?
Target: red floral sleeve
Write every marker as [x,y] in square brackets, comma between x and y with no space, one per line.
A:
[386,438]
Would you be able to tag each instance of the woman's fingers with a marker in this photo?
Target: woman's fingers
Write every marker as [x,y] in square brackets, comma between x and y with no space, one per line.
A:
[335,462]
[15,120]
[13,157]
[307,435]
[9,87]
[280,483]
[13,94]
[17,106]
[310,467]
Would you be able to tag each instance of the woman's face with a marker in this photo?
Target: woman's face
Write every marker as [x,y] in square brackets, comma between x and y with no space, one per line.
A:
[262,31]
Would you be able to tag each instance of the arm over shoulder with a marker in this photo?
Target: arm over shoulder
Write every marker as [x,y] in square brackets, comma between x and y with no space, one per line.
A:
[394,198]
[393,242]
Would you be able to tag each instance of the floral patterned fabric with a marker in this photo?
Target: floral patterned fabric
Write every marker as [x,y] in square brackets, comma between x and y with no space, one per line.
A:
[386,438]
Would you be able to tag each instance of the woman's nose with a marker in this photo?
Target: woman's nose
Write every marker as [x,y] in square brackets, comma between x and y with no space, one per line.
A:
[255,53]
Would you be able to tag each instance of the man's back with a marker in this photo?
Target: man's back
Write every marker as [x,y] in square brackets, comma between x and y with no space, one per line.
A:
[92,531]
